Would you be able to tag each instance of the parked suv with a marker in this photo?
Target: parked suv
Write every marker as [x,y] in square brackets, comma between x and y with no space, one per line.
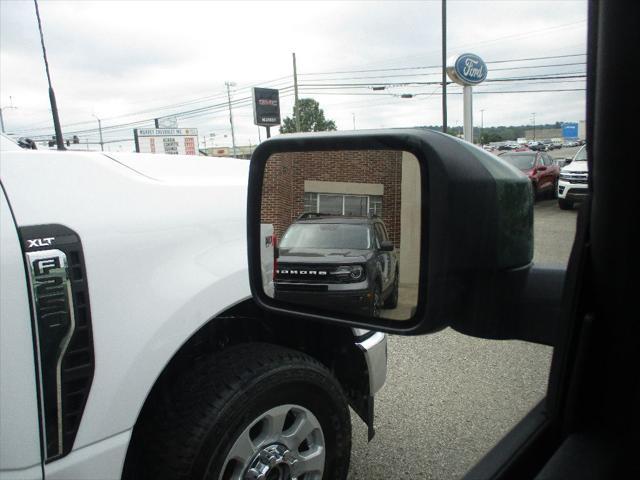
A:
[573,182]
[346,262]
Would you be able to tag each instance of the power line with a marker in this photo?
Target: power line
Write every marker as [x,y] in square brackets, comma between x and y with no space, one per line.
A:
[411,75]
[275,82]
[246,101]
[427,67]
[451,93]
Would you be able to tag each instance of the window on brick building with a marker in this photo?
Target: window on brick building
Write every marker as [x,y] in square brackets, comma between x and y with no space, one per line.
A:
[311,202]
[375,205]
[339,204]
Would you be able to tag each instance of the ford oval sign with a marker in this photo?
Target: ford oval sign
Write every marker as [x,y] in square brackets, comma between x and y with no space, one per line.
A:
[467,69]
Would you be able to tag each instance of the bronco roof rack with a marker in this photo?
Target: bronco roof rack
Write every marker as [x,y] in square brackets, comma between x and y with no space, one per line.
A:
[308,215]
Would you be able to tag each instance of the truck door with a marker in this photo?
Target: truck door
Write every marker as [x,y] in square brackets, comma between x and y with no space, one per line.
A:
[20,452]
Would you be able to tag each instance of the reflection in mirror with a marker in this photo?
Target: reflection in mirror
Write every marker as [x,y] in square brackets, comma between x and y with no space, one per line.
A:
[340,231]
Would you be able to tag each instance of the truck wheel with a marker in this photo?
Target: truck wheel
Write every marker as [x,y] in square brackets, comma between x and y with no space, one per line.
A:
[565,204]
[392,299]
[254,411]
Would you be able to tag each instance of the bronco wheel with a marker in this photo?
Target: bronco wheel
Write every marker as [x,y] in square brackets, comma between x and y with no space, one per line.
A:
[254,411]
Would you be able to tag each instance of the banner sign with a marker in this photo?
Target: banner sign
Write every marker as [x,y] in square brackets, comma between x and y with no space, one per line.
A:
[570,130]
[266,107]
[172,141]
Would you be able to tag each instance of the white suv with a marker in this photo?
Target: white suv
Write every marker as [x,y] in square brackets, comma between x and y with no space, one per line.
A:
[573,182]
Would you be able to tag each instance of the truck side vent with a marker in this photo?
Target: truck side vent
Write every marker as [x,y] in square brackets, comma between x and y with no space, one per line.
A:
[61,319]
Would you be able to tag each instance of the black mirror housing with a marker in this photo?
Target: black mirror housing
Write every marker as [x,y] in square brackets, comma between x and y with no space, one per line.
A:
[476,232]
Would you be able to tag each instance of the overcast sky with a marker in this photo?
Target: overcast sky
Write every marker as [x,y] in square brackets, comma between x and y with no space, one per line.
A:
[129,61]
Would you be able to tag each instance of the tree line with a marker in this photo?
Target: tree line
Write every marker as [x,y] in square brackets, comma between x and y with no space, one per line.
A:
[312,119]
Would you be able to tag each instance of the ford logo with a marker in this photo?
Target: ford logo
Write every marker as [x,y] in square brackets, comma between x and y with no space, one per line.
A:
[467,69]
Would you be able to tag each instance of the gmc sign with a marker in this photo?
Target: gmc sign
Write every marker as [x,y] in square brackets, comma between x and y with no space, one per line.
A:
[266,107]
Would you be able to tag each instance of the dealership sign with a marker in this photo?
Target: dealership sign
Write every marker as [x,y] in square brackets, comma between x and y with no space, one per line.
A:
[172,141]
[467,69]
[266,107]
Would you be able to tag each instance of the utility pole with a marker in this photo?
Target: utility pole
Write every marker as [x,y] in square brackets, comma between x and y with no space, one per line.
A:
[534,125]
[444,66]
[296,107]
[52,96]
[100,129]
[233,135]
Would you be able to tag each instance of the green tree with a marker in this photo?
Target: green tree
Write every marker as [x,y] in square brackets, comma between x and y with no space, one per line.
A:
[489,137]
[311,118]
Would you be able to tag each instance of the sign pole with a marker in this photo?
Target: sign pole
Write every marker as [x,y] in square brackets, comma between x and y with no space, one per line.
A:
[268,131]
[467,70]
[468,113]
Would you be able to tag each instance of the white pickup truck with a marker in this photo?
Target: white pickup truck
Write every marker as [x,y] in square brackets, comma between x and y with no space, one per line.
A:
[130,346]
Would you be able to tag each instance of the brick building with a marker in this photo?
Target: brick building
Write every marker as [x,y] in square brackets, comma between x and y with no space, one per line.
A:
[337,182]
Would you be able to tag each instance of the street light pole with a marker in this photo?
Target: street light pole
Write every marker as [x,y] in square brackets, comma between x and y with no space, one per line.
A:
[52,96]
[534,125]
[233,135]
[100,129]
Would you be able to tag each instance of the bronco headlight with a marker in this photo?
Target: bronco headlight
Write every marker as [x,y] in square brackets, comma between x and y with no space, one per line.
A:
[349,272]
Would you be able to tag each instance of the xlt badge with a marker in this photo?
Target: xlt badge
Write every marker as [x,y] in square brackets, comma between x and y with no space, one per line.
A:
[40,242]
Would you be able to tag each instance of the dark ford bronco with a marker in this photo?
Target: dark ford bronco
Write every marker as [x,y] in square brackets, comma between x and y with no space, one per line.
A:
[343,263]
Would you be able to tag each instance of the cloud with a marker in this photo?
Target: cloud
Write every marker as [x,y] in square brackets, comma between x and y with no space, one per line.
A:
[112,58]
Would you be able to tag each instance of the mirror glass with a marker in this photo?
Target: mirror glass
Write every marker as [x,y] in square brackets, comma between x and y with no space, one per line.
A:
[340,231]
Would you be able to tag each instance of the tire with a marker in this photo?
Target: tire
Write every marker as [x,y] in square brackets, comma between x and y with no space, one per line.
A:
[565,204]
[392,299]
[194,430]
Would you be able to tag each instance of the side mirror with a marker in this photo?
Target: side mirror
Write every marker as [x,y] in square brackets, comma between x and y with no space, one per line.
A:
[541,168]
[386,246]
[460,219]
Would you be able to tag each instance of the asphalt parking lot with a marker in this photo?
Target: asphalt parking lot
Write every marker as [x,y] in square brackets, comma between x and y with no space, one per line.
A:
[449,398]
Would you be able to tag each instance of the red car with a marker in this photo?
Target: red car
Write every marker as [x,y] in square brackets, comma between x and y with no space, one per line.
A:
[541,169]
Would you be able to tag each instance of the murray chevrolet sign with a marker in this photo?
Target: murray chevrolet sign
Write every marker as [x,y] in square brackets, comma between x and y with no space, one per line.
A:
[172,141]
[266,107]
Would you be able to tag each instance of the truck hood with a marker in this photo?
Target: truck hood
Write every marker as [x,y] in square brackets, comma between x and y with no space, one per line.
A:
[183,169]
[316,256]
[576,166]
